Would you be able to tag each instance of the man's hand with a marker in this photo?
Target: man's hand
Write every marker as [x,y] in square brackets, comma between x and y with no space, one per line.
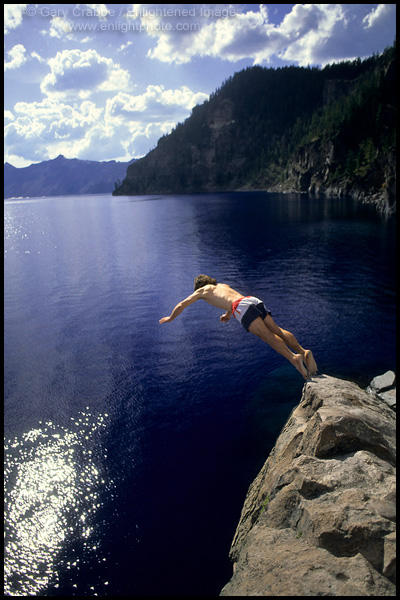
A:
[225,318]
[165,320]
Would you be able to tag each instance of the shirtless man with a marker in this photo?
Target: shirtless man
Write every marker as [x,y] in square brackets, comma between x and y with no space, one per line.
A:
[254,317]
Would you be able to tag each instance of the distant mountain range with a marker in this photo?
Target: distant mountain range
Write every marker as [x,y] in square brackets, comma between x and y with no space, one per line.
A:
[63,176]
[299,129]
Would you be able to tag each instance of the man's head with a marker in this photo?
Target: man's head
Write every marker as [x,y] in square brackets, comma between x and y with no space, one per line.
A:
[202,280]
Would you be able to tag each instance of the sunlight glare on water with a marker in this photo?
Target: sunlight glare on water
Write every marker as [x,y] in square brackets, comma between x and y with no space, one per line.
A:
[53,480]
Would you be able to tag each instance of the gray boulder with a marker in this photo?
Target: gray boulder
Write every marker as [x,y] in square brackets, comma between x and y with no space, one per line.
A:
[383,387]
[383,382]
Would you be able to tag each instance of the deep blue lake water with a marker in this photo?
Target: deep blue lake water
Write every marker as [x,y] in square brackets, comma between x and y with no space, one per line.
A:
[130,445]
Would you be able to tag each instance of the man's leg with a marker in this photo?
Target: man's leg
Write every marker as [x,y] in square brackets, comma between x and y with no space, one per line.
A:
[259,328]
[292,342]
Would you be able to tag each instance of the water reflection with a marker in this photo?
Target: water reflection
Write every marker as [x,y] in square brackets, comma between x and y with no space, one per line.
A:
[53,481]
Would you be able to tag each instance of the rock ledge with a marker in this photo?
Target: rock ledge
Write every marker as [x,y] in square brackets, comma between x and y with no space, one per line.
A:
[319,519]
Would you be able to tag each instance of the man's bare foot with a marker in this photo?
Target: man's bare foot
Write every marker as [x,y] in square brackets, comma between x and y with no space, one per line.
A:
[298,363]
[310,362]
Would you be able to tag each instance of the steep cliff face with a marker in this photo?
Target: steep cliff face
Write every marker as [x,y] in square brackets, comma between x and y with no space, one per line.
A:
[319,519]
[349,149]
[198,156]
[312,169]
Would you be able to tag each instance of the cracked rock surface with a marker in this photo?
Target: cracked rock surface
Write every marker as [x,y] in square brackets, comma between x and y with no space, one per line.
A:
[320,517]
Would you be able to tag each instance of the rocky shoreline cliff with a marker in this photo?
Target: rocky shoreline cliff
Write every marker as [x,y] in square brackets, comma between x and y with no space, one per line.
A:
[320,517]
[292,129]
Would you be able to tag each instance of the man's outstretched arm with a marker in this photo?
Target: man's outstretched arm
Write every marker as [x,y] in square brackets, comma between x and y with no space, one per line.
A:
[182,305]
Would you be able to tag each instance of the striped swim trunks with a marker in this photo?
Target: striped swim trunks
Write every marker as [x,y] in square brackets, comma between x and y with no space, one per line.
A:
[247,309]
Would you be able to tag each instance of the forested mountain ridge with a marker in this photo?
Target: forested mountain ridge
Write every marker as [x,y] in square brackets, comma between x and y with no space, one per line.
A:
[289,129]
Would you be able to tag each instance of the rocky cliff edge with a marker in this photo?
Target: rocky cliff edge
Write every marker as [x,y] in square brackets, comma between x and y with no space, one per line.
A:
[319,519]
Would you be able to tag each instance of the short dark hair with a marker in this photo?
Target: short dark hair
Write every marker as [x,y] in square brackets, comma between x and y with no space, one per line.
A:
[202,280]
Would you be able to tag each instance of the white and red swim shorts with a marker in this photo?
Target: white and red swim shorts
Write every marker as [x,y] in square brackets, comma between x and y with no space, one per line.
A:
[247,309]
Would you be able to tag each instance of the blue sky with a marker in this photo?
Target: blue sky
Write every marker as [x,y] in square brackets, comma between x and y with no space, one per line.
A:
[106,81]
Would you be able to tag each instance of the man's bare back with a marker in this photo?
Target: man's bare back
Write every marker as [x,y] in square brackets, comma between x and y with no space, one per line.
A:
[220,295]
[254,317]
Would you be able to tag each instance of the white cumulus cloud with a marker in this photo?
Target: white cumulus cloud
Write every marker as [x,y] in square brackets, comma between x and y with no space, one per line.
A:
[82,72]
[17,56]
[127,126]
[40,129]
[60,27]
[381,14]
[308,34]
[156,103]
[13,16]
